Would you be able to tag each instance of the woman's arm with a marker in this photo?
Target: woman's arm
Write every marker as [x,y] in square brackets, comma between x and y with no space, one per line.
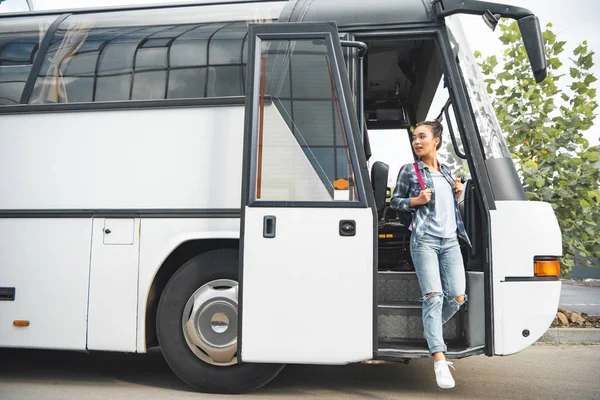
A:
[400,199]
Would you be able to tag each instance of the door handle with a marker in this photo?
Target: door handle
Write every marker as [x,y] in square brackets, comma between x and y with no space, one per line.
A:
[347,227]
[269,226]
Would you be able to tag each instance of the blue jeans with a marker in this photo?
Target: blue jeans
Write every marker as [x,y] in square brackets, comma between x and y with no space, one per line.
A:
[439,266]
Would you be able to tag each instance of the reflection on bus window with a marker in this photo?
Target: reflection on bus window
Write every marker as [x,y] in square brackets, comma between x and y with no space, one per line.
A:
[304,151]
[446,153]
[20,40]
[88,64]
[489,129]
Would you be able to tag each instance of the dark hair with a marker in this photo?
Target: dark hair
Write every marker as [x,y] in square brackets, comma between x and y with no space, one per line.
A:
[436,129]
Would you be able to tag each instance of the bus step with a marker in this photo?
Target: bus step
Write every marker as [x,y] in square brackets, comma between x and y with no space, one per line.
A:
[397,287]
[399,305]
[406,323]
[391,350]
[415,349]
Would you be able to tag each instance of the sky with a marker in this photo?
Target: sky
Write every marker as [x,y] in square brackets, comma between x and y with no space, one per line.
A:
[573,21]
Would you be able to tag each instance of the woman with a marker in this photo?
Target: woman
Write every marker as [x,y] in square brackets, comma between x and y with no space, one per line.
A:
[436,226]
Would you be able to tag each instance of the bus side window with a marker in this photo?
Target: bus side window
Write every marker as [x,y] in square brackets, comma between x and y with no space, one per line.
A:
[85,63]
[19,43]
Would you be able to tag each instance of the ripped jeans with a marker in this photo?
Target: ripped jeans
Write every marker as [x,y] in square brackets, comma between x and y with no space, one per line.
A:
[439,267]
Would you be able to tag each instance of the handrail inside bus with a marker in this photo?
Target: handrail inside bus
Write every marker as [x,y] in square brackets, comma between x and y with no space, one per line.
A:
[362,49]
[445,111]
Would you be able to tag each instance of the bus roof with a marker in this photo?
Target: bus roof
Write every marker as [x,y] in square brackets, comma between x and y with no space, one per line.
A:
[346,13]
[360,13]
[134,7]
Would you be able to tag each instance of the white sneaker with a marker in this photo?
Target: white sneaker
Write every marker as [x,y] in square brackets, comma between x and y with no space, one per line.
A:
[443,376]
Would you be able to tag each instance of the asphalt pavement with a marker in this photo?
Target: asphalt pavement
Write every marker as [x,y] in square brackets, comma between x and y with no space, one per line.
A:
[581,296]
[539,372]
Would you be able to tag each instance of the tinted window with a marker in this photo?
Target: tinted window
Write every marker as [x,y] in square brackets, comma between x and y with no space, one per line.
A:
[19,43]
[87,64]
[187,83]
[303,152]
[310,110]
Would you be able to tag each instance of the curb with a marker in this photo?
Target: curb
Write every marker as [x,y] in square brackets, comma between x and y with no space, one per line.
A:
[570,336]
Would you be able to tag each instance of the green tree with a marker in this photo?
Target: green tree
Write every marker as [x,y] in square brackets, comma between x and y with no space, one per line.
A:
[544,125]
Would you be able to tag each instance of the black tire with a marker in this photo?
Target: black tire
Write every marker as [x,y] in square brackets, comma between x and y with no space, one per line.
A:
[202,376]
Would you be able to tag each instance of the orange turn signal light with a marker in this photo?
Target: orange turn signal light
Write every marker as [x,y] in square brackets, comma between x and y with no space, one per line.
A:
[20,322]
[546,267]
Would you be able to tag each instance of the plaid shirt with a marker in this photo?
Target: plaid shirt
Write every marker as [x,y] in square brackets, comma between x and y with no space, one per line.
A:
[407,187]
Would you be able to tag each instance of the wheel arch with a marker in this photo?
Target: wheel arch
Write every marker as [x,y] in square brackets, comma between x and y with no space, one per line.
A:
[184,252]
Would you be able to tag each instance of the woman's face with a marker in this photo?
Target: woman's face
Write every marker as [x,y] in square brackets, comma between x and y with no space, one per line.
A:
[423,141]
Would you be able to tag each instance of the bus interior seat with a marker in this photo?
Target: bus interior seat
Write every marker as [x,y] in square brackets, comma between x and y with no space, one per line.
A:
[394,238]
[379,177]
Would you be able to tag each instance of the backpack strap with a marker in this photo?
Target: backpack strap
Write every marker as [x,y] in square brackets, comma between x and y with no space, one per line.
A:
[418,171]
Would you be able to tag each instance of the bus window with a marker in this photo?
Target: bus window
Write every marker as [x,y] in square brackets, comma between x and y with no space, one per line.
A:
[505,182]
[300,103]
[447,154]
[88,64]
[490,132]
[20,40]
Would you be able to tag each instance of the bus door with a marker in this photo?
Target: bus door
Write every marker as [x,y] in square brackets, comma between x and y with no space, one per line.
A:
[308,221]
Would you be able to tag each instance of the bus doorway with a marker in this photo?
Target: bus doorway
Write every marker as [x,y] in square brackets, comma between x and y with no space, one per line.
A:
[404,84]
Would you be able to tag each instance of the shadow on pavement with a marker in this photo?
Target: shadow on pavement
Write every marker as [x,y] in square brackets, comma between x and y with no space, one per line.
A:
[81,368]
[94,367]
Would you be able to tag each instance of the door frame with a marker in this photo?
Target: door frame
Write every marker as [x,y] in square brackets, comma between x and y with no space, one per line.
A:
[366,199]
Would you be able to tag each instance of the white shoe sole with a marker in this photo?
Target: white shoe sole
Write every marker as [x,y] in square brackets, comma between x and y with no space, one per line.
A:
[447,386]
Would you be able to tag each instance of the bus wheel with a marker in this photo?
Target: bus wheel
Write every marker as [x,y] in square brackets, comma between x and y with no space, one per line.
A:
[197,325]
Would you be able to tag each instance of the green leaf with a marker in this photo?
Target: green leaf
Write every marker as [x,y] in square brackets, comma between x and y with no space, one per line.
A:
[585,236]
[590,79]
[549,36]
[539,182]
[592,94]
[584,204]
[574,72]
[554,63]
[529,182]
[531,164]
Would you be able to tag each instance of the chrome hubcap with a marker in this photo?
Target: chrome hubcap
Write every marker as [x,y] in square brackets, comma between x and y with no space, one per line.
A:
[209,322]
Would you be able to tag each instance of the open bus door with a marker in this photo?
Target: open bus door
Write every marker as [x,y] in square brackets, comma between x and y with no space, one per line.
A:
[308,221]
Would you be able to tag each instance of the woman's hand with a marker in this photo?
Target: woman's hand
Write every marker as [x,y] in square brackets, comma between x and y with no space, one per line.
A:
[423,198]
[458,188]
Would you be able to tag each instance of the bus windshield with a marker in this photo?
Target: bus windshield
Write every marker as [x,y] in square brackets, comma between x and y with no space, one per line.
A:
[490,132]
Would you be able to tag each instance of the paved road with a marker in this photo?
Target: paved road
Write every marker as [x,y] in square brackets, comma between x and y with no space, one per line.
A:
[579,297]
[540,372]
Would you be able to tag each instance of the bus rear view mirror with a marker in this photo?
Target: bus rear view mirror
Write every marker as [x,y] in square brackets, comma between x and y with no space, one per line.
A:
[534,44]
[491,13]
[491,19]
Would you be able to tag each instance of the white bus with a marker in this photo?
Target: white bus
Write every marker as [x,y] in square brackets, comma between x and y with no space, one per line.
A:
[196,177]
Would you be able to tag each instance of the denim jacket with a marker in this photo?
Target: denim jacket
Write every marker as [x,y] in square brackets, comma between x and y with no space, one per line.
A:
[408,186]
